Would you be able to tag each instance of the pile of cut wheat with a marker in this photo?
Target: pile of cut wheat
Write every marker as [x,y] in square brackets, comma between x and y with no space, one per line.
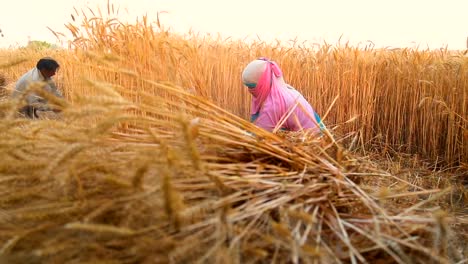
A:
[185,181]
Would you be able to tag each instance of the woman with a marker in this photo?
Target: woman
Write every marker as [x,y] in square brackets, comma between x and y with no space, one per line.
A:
[276,104]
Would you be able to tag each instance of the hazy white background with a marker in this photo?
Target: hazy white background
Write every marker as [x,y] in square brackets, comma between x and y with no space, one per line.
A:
[391,23]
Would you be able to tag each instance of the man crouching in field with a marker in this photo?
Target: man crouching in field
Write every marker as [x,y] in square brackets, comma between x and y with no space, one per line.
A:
[43,72]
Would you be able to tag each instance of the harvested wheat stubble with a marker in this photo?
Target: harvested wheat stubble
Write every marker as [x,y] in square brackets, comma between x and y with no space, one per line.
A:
[188,182]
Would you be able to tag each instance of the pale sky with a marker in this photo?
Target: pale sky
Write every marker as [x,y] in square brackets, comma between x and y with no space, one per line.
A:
[395,23]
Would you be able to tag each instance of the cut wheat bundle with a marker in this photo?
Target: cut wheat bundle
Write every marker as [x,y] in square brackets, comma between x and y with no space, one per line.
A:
[186,181]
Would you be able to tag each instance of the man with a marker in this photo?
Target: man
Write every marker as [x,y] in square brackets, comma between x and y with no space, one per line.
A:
[43,72]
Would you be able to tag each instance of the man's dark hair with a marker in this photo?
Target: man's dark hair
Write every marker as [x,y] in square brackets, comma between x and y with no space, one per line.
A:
[47,63]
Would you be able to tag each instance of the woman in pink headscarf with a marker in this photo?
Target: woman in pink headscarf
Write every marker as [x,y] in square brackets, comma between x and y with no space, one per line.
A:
[276,104]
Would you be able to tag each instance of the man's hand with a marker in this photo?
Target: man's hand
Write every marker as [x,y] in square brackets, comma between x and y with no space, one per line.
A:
[40,106]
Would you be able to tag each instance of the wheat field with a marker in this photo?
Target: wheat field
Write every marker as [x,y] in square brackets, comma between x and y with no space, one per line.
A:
[153,160]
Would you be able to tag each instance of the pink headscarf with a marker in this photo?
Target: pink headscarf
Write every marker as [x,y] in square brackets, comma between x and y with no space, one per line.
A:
[274,100]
